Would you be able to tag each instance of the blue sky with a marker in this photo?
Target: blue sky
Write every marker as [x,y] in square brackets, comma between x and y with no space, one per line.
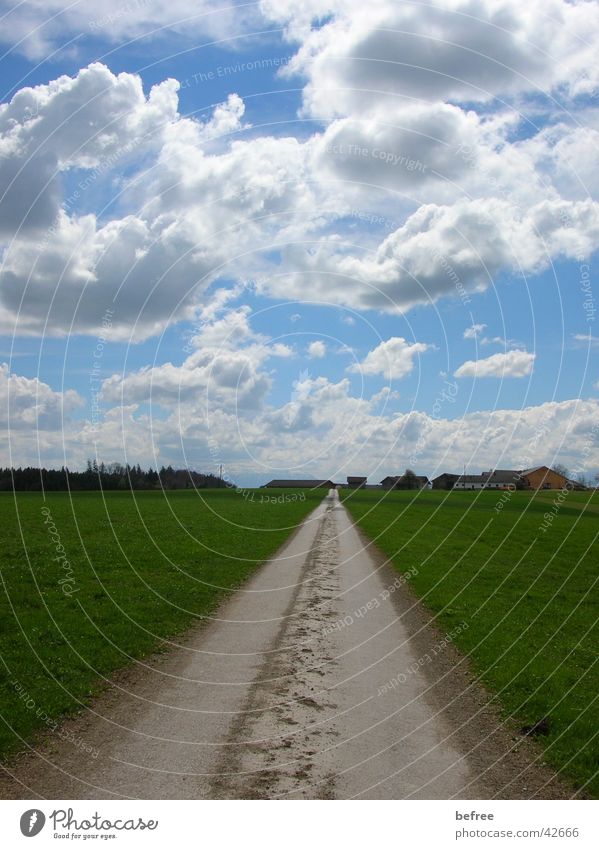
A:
[333,243]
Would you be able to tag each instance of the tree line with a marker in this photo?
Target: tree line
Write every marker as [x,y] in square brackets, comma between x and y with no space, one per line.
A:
[111,476]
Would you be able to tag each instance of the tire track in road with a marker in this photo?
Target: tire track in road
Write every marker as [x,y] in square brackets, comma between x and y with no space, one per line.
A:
[289,710]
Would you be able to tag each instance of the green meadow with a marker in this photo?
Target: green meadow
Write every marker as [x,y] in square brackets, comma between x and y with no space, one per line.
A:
[530,598]
[92,580]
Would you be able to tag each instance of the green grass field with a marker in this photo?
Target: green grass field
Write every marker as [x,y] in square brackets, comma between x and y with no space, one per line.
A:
[92,581]
[530,599]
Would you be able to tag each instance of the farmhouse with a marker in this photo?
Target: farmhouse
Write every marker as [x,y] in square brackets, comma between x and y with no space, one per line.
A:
[300,484]
[493,479]
[356,482]
[542,477]
[472,482]
[444,481]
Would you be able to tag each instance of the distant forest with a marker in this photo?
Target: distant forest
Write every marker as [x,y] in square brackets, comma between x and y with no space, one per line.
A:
[101,476]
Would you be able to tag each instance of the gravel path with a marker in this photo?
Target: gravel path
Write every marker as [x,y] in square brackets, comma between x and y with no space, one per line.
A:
[321,678]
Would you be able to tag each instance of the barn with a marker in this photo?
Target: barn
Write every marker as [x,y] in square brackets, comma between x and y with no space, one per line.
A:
[542,477]
[300,484]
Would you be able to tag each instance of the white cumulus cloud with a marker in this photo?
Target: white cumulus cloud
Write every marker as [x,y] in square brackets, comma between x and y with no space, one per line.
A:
[317,349]
[393,358]
[474,331]
[510,364]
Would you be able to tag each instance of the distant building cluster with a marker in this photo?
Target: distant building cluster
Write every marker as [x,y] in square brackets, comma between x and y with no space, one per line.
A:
[406,481]
[539,477]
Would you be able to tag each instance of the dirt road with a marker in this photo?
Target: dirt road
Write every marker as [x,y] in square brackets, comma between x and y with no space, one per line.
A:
[321,678]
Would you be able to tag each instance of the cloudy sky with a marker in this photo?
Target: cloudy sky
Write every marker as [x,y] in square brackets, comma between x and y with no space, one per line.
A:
[303,240]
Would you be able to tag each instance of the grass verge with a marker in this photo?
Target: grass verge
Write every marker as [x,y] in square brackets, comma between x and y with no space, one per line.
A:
[92,581]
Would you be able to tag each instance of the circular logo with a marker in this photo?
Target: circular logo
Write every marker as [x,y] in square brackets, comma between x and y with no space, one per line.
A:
[32,822]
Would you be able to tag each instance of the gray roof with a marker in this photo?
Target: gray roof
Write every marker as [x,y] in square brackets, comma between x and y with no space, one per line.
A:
[497,476]
[503,475]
